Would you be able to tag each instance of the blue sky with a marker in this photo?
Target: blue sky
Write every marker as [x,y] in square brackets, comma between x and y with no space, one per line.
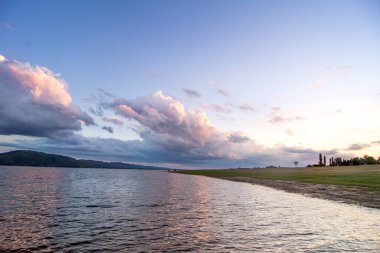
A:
[294,78]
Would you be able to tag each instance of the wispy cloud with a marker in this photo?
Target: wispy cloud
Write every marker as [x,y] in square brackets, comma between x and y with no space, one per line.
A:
[114,120]
[6,26]
[98,101]
[191,93]
[217,108]
[357,146]
[338,71]
[105,93]
[289,132]
[317,85]
[247,107]
[108,129]
[280,119]
[223,92]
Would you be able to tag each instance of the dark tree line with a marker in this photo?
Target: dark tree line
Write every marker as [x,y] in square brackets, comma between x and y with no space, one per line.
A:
[339,161]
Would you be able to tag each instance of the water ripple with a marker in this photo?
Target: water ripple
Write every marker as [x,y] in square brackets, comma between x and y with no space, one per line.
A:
[94,210]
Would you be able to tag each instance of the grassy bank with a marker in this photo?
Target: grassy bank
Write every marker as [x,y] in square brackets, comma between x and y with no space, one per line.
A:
[365,177]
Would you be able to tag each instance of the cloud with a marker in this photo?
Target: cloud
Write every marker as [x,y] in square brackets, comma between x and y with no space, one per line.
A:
[289,132]
[114,120]
[192,93]
[338,71]
[222,152]
[357,146]
[238,137]
[108,129]
[167,119]
[223,92]
[280,119]
[171,129]
[317,85]
[105,93]
[247,107]
[6,26]
[218,108]
[98,101]
[36,102]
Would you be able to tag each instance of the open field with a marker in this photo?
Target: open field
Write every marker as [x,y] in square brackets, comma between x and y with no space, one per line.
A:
[351,184]
[362,176]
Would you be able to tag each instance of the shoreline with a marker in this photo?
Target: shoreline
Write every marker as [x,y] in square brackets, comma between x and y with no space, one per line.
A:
[338,193]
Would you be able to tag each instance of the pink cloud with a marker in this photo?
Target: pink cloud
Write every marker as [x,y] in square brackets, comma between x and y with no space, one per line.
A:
[168,124]
[114,120]
[36,102]
[289,132]
[44,86]
[168,119]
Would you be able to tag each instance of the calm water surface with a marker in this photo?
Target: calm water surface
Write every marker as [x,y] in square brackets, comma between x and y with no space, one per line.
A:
[84,210]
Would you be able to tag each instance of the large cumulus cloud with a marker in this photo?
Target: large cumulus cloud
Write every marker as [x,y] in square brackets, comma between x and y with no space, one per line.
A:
[35,102]
[166,123]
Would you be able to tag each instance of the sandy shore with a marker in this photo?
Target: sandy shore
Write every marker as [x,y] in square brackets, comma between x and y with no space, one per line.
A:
[350,195]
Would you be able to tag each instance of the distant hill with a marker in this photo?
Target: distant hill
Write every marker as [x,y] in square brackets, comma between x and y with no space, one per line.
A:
[39,159]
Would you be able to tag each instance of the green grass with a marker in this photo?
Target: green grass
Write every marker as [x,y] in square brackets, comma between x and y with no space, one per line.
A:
[362,176]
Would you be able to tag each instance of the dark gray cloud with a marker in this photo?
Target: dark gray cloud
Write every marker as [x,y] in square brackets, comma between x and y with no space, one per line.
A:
[246,154]
[192,93]
[35,102]
[108,129]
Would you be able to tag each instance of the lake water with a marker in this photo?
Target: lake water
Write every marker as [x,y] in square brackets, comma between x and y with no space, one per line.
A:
[84,210]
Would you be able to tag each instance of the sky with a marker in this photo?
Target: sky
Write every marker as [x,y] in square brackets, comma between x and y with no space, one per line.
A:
[191,84]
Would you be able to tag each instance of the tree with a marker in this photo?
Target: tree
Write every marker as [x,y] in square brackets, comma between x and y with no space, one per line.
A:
[333,163]
[355,161]
[370,160]
[338,161]
[295,163]
[320,159]
[324,161]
